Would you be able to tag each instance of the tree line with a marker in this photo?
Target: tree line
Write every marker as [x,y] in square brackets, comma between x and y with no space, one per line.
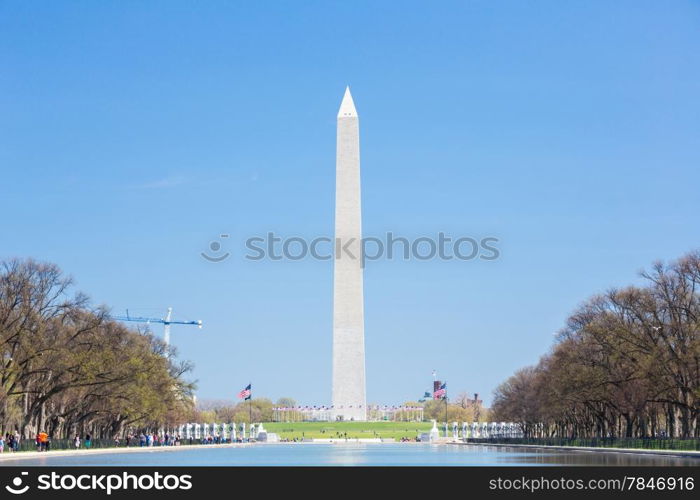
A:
[627,364]
[261,409]
[67,369]
[459,409]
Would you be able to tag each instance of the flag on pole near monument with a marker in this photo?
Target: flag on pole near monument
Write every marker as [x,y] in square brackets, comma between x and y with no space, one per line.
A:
[441,392]
[245,393]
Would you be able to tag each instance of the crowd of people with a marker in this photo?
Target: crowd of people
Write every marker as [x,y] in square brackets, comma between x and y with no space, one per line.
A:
[10,441]
[151,439]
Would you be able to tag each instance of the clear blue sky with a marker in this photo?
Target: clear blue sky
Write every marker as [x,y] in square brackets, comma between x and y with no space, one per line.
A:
[133,133]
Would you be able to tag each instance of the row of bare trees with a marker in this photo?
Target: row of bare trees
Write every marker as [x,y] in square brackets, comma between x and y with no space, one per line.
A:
[67,369]
[627,364]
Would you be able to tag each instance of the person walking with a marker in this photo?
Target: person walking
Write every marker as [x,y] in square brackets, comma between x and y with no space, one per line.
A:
[43,441]
[76,442]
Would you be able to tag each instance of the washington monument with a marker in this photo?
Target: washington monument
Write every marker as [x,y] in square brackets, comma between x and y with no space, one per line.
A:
[349,400]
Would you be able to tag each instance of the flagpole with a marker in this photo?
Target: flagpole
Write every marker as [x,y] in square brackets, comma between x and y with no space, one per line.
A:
[445,412]
[250,403]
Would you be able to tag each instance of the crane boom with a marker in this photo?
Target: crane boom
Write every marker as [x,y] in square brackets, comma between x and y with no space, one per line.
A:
[141,319]
[167,321]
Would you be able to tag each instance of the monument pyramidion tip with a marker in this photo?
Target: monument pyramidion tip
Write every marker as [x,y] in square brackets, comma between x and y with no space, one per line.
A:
[347,106]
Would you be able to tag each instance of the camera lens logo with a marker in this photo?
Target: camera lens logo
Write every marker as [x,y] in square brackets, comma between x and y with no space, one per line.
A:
[215,247]
[17,483]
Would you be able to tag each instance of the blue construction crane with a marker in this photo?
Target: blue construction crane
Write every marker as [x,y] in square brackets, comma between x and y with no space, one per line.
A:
[167,321]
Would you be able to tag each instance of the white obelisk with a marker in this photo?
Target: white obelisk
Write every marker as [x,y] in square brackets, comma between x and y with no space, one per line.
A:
[349,400]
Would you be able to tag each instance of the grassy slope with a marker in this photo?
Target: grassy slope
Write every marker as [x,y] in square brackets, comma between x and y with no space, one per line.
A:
[395,430]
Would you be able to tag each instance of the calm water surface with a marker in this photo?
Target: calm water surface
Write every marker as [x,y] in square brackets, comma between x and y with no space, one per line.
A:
[354,454]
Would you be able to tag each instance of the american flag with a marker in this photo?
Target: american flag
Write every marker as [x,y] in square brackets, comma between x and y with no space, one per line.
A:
[441,392]
[245,393]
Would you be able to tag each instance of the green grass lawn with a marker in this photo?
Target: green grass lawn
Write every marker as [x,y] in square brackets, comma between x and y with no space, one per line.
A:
[394,430]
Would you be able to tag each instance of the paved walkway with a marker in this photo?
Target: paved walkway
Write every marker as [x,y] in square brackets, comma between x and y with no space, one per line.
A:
[636,451]
[132,449]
